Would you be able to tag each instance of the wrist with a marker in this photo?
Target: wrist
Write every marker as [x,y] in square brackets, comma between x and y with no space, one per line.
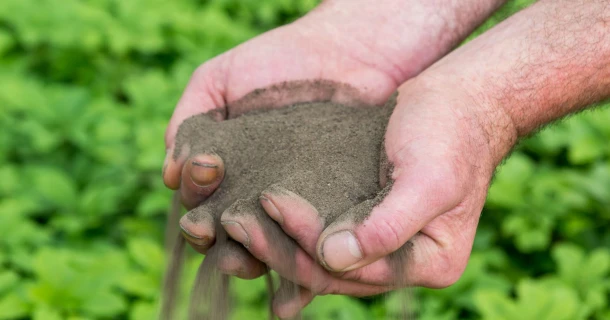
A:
[486,130]
[409,34]
[537,66]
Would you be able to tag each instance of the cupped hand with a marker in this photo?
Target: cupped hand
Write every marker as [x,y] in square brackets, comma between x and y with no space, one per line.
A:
[437,142]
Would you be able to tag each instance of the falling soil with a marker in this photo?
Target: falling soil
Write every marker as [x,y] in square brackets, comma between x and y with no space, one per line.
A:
[329,154]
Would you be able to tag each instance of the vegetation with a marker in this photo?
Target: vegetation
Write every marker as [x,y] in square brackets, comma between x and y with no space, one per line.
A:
[87,88]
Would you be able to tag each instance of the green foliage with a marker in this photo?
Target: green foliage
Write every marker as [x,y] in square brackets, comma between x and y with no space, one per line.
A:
[87,90]
[578,290]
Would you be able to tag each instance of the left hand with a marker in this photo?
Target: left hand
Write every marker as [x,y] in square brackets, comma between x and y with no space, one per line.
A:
[443,163]
[452,126]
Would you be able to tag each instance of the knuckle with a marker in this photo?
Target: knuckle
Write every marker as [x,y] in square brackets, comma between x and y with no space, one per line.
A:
[445,271]
[326,287]
[299,237]
[356,275]
[300,232]
[387,234]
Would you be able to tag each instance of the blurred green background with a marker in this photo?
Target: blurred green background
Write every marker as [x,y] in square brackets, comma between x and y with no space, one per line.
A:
[86,89]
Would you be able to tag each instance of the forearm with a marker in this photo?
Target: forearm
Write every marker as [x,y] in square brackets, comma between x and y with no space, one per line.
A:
[412,33]
[537,66]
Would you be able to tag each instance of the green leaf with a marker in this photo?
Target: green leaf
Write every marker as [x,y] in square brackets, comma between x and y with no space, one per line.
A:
[6,42]
[105,304]
[9,180]
[598,264]
[46,313]
[8,280]
[154,203]
[77,281]
[143,311]
[508,188]
[52,186]
[147,254]
[532,233]
[12,306]
[494,305]
[536,300]
[145,285]
[569,261]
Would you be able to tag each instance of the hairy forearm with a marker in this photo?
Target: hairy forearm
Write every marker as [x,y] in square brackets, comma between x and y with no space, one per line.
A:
[412,33]
[537,66]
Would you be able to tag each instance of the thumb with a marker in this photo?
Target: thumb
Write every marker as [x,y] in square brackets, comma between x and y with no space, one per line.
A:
[375,228]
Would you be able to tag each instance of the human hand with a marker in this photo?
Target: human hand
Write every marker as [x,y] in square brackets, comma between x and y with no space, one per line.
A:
[440,179]
[452,126]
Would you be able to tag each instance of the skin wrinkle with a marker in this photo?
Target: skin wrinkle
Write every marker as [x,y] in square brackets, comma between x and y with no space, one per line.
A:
[475,142]
[207,85]
[389,67]
[394,69]
[231,61]
[367,39]
[214,86]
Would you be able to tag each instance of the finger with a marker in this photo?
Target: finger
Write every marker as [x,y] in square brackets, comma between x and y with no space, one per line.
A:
[358,238]
[201,175]
[237,261]
[265,241]
[245,222]
[295,215]
[198,228]
[300,220]
[172,167]
[423,262]
[204,94]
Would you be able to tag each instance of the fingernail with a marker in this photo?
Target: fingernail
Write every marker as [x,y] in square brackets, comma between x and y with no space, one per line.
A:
[203,174]
[271,209]
[237,232]
[200,241]
[341,250]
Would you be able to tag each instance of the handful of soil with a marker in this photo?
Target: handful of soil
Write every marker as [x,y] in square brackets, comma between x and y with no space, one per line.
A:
[329,154]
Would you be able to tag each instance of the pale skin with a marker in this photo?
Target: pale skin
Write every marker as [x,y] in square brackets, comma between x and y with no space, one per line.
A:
[453,124]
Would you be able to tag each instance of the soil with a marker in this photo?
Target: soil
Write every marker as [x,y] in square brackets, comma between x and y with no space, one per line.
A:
[328,153]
